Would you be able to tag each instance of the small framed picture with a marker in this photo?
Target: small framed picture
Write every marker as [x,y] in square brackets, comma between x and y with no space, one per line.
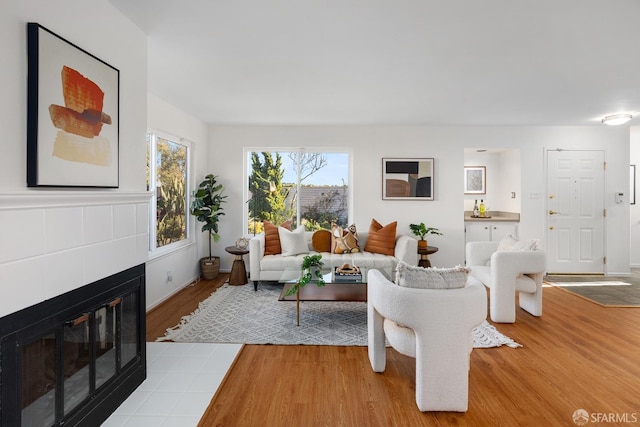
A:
[475,180]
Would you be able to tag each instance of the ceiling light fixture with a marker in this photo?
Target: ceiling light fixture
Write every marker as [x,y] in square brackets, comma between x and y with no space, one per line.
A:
[617,119]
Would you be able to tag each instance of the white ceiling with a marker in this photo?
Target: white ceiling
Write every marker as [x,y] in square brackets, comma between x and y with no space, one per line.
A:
[392,62]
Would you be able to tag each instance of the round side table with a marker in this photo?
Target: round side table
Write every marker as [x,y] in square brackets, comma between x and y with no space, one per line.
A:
[424,256]
[238,274]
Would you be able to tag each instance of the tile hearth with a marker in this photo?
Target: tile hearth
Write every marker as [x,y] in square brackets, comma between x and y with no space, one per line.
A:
[181,380]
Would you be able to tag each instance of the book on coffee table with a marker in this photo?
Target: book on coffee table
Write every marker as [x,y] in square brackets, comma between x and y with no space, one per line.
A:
[339,277]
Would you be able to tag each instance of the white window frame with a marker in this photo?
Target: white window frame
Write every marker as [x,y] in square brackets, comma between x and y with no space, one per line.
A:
[246,171]
[155,251]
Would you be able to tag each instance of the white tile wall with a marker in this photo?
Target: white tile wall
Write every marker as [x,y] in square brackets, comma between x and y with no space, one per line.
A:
[63,272]
[98,224]
[124,221]
[21,284]
[63,228]
[57,243]
[21,234]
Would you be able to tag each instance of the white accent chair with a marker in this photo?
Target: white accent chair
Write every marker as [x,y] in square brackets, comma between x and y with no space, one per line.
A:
[434,326]
[506,273]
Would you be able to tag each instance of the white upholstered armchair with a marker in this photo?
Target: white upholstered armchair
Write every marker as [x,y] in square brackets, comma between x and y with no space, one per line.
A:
[505,273]
[432,325]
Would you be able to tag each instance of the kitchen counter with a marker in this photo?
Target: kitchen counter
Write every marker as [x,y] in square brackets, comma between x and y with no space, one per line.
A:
[493,216]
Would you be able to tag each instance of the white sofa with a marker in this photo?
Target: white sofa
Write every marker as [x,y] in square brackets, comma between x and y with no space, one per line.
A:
[271,267]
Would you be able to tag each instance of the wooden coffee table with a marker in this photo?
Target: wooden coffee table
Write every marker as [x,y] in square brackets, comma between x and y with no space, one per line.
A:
[331,291]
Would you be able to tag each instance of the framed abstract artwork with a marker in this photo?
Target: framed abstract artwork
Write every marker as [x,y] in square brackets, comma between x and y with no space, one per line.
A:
[407,179]
[72,114]
[475,180]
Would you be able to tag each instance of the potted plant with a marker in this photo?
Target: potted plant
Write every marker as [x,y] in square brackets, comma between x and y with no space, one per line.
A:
[206,206]
[421,231]
[310,269]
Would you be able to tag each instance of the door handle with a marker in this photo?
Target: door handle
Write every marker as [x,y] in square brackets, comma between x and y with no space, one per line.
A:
[552,212]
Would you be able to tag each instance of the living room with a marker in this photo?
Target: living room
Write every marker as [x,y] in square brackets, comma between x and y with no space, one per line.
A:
[41,228]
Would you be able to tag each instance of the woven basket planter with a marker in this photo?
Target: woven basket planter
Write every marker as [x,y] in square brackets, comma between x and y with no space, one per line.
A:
[209,267]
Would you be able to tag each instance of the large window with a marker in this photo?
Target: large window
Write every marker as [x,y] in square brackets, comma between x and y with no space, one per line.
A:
[307,187]
[167,178]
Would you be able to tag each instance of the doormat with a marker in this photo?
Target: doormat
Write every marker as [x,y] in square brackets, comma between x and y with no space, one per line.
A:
[615,292]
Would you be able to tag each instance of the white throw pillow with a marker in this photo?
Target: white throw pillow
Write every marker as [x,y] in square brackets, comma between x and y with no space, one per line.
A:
[431,278]
[511,244]
[293,242]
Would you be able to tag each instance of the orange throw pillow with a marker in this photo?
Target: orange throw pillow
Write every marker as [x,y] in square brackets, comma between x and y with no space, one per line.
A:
[381,240]
[272,238]
[321,241]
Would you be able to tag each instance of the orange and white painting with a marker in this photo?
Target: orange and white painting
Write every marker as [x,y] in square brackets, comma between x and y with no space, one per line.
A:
[72,115]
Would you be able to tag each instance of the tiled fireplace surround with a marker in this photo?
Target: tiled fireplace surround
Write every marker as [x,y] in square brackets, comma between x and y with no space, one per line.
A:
[54,242]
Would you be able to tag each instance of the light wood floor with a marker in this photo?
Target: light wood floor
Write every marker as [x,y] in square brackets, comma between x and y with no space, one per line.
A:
[578,355]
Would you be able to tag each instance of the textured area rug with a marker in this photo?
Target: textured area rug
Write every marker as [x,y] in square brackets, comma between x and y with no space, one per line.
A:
[613,292]
[238,314]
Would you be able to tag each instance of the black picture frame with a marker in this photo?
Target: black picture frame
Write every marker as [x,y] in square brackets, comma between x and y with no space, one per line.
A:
[73,100]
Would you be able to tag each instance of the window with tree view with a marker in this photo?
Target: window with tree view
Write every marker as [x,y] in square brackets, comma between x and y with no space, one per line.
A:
[305,187]
[167,172]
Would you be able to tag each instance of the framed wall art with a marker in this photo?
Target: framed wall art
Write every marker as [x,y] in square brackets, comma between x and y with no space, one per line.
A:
[475,180]
[72,114]
[407,179]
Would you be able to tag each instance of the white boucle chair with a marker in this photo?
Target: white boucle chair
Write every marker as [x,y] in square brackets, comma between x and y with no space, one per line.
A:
[506,273]
[432,325]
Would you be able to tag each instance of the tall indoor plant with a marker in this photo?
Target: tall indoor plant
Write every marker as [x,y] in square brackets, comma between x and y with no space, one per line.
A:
[206,206]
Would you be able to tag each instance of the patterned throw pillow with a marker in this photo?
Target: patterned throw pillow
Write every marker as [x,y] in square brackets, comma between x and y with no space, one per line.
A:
[321,241]
[344,241]
[272,238]
[381,240]
[431,278]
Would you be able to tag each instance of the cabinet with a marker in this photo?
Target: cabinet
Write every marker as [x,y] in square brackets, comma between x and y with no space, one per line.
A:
[489,231]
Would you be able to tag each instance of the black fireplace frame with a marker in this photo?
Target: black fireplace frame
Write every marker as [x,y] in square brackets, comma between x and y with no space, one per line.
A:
[49,316]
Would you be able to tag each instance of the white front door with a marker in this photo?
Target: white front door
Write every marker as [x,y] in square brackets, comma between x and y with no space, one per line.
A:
[575,212]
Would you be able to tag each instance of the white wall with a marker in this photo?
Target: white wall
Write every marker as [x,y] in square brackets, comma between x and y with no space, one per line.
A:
[634,231]
[183,263]
[446,144]
[53,241]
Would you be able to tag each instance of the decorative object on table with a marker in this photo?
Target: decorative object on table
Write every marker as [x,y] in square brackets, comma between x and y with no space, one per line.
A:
[207,207]
[238,275]
[72,114]
[421,231]
[475,180]
[407,179]
[242,243]
[347,273]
